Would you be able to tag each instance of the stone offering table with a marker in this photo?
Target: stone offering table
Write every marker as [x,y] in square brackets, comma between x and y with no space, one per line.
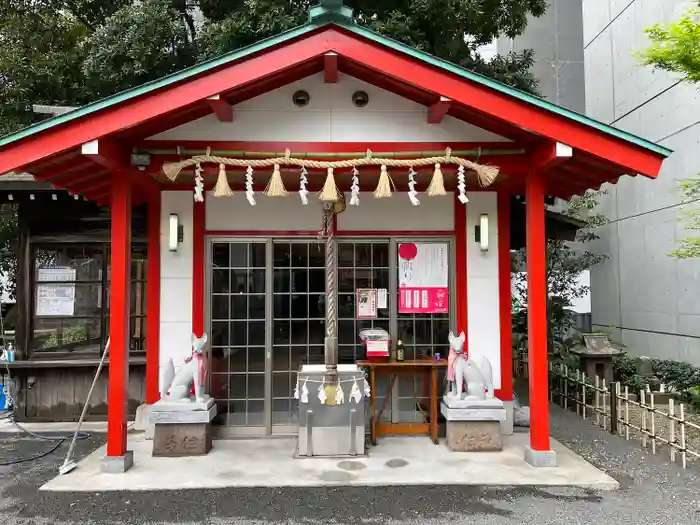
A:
[474,425]
[181,428]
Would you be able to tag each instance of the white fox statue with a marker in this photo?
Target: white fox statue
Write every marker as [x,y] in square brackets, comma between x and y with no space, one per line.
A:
[177,387]
[462,369]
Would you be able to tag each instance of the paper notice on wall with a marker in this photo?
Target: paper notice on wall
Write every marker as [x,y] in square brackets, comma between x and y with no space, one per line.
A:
[53,297]
[424,278]
[366,303]
[382,298]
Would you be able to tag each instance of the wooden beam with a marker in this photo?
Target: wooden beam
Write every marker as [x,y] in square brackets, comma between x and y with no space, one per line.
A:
[537,312]
[437,111]
[221,108]
[505,291]
[198,265]
[119,310]
[549,156]
[153,301]
[330,67]
[90,189]
[116,159]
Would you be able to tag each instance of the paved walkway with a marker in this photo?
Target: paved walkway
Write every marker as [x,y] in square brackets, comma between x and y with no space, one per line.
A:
[653,492]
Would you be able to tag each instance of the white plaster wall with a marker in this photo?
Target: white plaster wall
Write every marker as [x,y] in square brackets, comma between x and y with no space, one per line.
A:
[397,213]
[269,213]
[482,284]
[329,117]
[175,281]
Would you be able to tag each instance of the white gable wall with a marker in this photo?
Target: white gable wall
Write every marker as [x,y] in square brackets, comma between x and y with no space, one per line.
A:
[329,117]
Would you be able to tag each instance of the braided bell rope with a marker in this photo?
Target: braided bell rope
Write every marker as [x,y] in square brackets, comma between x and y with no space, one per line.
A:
[486,174]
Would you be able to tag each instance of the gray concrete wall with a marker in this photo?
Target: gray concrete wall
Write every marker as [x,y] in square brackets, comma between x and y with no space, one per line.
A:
[557,39]
[654,299]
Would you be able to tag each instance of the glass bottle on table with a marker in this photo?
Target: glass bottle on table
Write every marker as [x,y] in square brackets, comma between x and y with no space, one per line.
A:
[400,352]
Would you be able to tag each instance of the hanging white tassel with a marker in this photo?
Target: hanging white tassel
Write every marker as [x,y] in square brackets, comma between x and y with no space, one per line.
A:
[461,186]
[304,393]
[303,181]
[322,393]
[355,188]
[339,395]
[296,390]
[249,193]
[412,193]
[368,391]
[355,393]
[198,184]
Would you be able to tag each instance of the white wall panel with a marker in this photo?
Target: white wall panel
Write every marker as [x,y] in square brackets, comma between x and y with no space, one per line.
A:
[176,280]
[329,117]
[482,284]
[397,213]
[269,213]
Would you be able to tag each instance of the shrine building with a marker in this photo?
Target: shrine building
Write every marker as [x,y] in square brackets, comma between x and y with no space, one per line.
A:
[214,182]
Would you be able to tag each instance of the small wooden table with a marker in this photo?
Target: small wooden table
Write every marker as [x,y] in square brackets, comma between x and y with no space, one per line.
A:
[394,369]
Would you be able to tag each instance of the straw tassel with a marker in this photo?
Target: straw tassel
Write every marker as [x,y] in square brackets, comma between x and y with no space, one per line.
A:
[222,189]
[384,187]
[437,185]
[486,174]
[330,192]
[172,169]
[275,188]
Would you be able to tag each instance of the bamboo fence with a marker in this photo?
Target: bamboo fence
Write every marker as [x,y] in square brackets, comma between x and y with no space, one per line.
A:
[659,427]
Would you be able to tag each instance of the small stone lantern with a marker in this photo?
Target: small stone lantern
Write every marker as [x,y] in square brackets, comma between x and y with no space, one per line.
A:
[596,355]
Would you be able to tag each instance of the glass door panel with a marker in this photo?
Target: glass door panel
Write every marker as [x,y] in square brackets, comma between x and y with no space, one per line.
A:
[298,319]
[238,320]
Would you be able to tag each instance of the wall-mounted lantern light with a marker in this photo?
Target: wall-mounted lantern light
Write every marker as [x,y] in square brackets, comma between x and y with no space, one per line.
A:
[481,232]
[176,233]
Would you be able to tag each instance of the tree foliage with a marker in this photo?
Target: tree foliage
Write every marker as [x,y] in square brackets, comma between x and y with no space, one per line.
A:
[70,52]
[676,48]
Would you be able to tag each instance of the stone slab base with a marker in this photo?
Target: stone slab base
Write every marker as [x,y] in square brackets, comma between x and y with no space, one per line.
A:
[474,436]
[540,458]
[143,416]
[181,439]
[117,464]
[473,413]
[173,417]
[185,405]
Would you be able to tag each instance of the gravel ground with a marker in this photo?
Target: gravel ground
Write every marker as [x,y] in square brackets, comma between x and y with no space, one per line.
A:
[653,492]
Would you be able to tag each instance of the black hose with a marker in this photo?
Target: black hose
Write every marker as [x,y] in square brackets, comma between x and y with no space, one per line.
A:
[57,439]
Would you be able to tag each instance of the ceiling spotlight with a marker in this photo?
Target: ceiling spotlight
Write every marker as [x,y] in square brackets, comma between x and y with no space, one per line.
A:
[360,99]
[301,98]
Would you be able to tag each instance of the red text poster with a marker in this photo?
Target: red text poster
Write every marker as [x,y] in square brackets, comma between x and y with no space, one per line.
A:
[423,278]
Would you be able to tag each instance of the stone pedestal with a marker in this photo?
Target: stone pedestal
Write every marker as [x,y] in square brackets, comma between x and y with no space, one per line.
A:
[475,426]
[180,428]
[182,439]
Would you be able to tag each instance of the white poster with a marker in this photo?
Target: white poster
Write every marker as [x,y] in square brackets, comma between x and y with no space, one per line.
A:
[424,278]
[53,297]
[366,303]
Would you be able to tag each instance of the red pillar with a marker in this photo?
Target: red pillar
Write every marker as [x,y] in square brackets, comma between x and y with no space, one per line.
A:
[119,310]
[537,313]
[198,248]
[153,301]
[504,292]
[461,296]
